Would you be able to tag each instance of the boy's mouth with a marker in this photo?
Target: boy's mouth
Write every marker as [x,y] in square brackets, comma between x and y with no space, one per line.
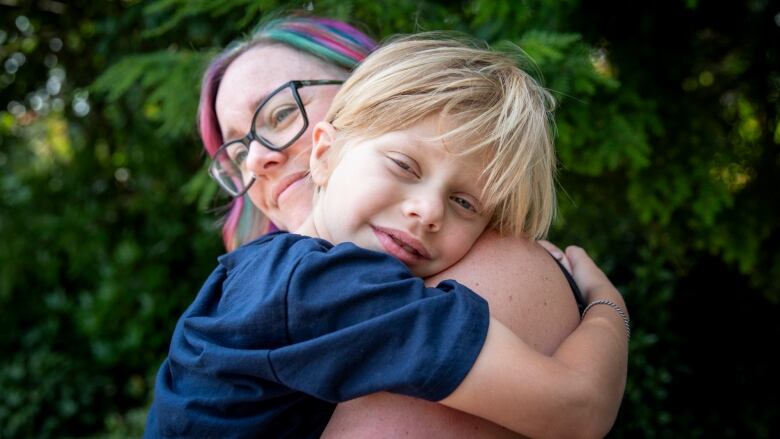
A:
[401,245]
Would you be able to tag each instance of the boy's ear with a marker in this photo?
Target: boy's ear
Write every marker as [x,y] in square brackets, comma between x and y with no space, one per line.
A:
[321,161]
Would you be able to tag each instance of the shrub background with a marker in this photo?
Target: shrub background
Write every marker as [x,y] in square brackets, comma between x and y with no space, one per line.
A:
[669,147]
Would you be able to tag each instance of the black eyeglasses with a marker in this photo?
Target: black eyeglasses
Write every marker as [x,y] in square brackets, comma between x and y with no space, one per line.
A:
[278,122]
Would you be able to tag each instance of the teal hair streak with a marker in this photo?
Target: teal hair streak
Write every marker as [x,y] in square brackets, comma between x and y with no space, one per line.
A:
[311,47]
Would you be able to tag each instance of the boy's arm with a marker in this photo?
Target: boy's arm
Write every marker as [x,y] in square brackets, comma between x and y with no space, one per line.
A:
[526,291]
[566,395]
[384,332]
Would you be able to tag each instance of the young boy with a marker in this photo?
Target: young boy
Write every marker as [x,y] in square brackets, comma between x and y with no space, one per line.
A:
[428,144]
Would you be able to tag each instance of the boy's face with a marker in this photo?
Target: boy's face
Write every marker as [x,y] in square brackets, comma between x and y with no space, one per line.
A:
[402,194]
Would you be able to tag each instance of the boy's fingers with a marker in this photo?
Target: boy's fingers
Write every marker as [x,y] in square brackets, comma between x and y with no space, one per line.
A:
[575,249]
[584,270]
[552,248]
[557,253]
[577,255]
[587,274]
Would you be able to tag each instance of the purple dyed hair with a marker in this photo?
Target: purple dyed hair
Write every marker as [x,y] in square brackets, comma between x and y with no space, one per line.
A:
[336,42]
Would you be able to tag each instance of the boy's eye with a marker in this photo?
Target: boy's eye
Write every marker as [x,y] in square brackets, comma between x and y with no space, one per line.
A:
[407,167]
[401,164]
[464,203]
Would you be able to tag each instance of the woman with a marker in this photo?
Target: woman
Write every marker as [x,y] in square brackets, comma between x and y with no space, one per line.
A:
[295,64]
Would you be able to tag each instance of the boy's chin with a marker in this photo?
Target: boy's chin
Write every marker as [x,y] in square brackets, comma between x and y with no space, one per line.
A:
[424,272]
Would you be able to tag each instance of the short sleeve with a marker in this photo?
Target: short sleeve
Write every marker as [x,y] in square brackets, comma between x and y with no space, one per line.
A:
[359,322]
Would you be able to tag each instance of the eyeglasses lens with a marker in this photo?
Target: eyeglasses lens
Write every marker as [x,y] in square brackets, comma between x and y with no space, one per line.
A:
[280,121]
[229,167]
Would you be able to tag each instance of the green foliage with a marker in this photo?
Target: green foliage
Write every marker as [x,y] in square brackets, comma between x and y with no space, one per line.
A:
[667,132]
[166,79]
[175,12]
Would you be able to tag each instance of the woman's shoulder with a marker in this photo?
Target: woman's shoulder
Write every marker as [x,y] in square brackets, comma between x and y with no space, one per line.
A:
[525,288]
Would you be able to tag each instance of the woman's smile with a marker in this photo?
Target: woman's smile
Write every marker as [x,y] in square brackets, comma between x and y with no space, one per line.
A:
[286,186]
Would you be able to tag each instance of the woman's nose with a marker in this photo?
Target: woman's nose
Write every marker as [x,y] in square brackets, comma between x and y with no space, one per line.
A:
[262,161]
[427,209]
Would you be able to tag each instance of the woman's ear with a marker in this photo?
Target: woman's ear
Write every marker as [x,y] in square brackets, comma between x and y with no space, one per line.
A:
[321,161]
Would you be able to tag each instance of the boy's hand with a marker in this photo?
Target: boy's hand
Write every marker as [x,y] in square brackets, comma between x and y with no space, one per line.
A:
[592,281]
[556,253]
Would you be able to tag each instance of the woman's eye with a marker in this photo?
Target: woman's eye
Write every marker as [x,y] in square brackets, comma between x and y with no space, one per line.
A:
[240,157]
[464,203]
[279,116]
[237,153]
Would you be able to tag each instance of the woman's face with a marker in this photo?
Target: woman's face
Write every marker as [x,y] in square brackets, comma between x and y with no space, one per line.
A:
[282,189]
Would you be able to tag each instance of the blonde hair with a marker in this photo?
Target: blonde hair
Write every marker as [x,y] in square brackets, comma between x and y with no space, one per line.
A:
[496,109]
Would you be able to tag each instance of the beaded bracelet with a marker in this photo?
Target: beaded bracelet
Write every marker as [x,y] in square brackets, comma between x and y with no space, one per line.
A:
[614,306]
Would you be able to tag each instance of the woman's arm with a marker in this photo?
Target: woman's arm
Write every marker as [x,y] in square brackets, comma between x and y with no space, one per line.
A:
[526,292]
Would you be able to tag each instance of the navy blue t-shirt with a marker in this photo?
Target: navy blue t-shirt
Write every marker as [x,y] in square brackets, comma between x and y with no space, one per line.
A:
[287,326]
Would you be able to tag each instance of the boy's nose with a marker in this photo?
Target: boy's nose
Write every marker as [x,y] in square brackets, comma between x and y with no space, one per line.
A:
[262,161]
[428,210]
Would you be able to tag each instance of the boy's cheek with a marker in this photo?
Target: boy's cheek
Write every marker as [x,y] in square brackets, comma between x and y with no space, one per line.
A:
[460,246]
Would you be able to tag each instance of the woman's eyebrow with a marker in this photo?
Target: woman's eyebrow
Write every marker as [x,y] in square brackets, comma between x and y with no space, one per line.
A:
[230,134]
[253,104]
